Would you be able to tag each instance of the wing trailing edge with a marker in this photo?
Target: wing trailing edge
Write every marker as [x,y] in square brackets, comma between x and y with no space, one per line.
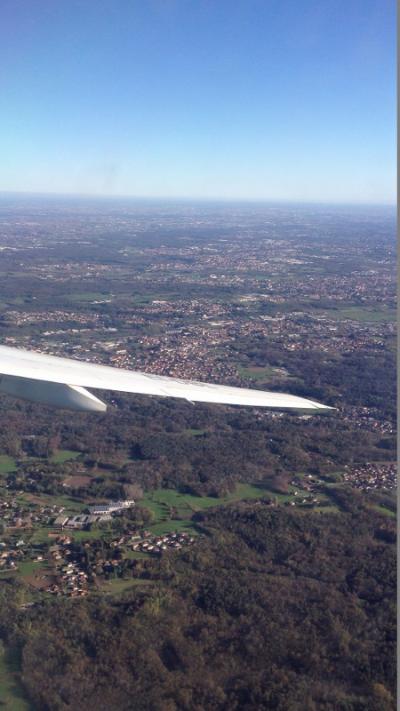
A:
[62,382]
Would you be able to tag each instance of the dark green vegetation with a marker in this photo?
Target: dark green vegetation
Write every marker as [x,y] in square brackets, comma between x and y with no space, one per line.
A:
[201,450]
[295,611]
[12,694]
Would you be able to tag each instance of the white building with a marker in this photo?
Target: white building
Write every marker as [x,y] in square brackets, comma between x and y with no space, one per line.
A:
[113,507]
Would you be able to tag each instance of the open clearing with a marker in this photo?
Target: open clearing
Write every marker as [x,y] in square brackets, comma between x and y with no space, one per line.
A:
[77,481]
[120,585]
[259,373]
[7,464]
[363,314]
[64,455]
[88,296]
[12,697]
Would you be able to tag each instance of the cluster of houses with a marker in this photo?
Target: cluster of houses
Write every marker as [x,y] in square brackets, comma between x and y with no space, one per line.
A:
[71,582]
[65,570]
[71,579]
[11,554]
[367,418]
[97,514]
[14,514]
[372,476]
[308,500]
[72,573]
[309,484]
[157,544]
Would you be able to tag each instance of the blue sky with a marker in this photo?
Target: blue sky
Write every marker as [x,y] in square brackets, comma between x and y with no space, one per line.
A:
[238,99]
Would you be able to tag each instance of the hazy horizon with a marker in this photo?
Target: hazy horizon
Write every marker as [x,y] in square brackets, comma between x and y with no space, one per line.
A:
[184,200]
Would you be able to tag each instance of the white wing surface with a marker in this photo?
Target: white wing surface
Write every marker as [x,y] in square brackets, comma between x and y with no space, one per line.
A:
[61,382]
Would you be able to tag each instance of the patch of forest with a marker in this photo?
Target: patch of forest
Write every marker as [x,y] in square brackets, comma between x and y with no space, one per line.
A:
[275,610]
[202,450]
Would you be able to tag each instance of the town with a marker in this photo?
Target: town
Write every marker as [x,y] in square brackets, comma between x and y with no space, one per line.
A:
[183,306]
[371,476]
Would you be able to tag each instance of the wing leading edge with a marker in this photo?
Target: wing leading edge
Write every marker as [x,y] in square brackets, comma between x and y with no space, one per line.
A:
[61,382]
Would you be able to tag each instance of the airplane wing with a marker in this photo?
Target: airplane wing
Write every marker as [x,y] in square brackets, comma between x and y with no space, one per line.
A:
[62,382]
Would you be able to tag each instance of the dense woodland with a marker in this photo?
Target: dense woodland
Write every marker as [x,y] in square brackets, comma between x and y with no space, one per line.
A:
[276,610]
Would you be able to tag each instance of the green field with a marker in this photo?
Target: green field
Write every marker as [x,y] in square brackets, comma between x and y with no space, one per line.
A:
[12,696]
[326,509]
[88,296]
[7,464]
[363,314]
[70,504]
[257,373]
[384,510]
[41,535]
[94,533]
[173,510]
[120,585]
[64,455]
[30,567]
[160,529]
[136,555]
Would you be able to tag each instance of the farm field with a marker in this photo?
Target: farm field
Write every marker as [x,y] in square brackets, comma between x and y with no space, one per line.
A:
[120,585]
[363,314]
[7,464]
[259,373]
[88,296]
[64,455]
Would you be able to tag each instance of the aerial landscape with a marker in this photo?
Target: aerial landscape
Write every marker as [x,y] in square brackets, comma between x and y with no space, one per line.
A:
[198,516]
[198,465]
